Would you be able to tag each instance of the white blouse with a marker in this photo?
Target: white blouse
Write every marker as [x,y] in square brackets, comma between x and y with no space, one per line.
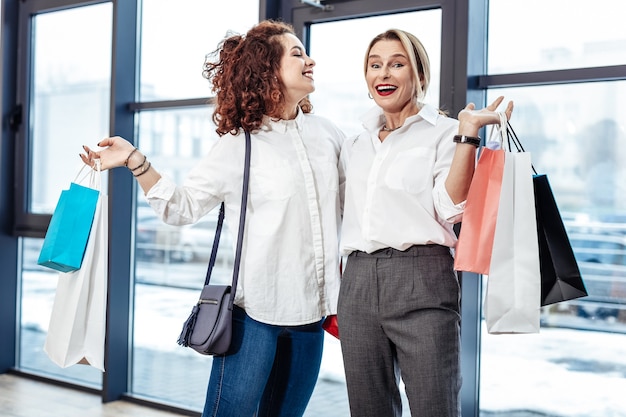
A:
[289,273]
[395,189]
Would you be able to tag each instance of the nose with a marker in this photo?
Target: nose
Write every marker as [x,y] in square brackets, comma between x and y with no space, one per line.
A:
[310,62]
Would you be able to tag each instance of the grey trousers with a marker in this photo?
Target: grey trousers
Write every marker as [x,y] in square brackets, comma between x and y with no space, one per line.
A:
[399,316]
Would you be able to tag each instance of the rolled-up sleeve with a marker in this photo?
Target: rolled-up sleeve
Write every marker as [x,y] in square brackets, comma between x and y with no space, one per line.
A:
[446,209]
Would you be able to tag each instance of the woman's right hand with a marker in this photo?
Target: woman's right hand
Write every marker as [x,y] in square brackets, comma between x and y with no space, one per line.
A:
[115,153]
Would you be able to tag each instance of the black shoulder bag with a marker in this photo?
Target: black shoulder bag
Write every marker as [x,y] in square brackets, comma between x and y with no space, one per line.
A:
[208,329]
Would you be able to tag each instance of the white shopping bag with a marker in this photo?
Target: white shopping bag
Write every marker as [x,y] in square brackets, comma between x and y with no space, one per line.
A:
[76,333]
[513,296]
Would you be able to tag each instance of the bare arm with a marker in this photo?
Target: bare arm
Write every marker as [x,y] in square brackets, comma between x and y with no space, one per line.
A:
[119,152]
[464,160]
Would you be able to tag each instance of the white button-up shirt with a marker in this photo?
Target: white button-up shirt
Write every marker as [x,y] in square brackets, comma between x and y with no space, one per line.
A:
[395,189]
[289,273]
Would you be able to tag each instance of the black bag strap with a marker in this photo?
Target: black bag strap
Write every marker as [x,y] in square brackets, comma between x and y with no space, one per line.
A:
[513,141]
[242,222]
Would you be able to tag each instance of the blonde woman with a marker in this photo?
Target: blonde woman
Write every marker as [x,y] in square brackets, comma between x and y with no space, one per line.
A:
[407,179]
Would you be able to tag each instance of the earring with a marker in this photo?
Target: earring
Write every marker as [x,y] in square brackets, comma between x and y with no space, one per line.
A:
[370,95]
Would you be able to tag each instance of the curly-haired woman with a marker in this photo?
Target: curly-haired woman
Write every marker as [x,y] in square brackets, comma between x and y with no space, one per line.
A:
[289,278]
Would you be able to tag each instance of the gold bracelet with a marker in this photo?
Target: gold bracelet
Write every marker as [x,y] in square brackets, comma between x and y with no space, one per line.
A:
[144,170]
[129,155]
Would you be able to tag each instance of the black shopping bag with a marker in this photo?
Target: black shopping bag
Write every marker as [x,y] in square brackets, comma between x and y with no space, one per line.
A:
[560,275]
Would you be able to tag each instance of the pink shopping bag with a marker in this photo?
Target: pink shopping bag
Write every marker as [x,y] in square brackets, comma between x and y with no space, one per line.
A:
[475,243]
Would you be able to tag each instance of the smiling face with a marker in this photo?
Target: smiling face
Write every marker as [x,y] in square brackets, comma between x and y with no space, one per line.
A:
[296,71]
[389,76]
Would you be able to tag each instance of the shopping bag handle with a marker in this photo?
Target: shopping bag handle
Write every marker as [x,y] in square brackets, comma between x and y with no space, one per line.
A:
[514,142]
[498,133]
[94,174]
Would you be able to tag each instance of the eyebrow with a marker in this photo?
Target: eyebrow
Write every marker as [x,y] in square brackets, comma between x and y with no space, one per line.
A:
[392,56]
[298,48]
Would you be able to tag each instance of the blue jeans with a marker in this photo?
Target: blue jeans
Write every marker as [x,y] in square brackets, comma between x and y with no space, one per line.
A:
[269,370]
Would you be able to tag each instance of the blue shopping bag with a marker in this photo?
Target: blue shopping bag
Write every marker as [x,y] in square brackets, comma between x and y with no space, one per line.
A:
[66,238]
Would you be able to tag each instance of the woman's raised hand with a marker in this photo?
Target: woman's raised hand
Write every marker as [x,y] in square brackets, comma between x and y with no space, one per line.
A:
[471,120]
[115,153]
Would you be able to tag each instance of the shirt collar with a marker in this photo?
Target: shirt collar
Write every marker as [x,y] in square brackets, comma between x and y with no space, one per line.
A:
[281,125]
[374,119]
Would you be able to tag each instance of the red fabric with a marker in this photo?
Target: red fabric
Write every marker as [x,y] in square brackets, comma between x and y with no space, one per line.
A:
[330,325]
[475,244]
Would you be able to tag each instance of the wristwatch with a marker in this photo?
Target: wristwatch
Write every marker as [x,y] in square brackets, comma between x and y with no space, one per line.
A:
[472,140]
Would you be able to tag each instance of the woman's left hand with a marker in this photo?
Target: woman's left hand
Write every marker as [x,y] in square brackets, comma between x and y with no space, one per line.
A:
[471,120]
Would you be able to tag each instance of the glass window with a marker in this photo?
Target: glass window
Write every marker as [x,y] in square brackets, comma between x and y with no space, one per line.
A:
[70,95]
[341,95]
[577,136]
[71,61]
[176,37]
[171,263]
[538,35]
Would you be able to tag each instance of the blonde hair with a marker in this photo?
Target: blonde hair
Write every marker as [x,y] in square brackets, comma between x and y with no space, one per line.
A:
[420,64]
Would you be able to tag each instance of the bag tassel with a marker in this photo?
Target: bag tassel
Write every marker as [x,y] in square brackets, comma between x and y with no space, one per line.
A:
[183,339]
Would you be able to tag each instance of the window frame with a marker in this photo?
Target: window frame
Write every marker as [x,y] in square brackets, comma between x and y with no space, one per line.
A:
[27,223]
[124,108]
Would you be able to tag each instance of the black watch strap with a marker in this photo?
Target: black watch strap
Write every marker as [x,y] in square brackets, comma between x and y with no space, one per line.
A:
[472,140]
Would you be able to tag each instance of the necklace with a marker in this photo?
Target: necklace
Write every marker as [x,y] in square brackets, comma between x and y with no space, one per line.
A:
[387,129]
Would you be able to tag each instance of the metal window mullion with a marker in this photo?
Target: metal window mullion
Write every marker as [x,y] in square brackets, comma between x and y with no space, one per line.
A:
[121,192]
[567,76]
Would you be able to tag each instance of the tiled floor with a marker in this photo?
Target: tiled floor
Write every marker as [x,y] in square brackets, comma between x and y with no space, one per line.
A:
[25,397]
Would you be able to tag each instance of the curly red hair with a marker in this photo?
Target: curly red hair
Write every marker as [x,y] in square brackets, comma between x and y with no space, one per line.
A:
[245,78]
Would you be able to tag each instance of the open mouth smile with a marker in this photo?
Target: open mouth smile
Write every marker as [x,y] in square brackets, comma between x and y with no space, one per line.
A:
[385,89]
